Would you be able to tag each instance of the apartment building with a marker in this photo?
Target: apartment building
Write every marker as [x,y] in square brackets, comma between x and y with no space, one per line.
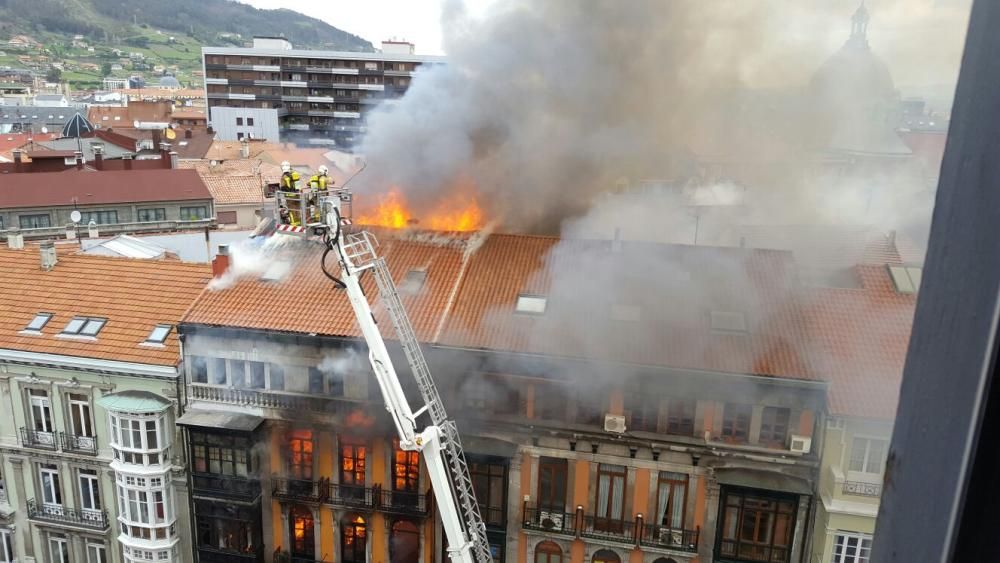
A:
[91,470]
[675,425]
[867,331]
[317,95]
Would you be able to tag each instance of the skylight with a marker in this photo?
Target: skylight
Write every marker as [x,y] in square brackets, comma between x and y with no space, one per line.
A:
[159,334]
[413,281]
[534,304]
[39,322]
[84,326]
[906,278]
[728,321]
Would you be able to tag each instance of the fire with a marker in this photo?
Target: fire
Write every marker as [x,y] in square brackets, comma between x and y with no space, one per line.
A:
[461,212]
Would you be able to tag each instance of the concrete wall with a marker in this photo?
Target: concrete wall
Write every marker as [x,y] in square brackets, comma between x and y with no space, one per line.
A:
[127,213]
[224,121]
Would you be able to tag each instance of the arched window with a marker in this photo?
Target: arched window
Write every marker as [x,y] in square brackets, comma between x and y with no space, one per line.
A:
[404,543]
[606,556]
[548,552]
[665,560]
[353,539]
[300,522]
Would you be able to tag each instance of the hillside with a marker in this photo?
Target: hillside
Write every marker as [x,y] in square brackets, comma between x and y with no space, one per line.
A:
[169,35]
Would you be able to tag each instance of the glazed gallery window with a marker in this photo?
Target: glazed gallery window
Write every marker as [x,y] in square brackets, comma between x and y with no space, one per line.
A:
[220,454]
[756,526]
[610,497]
[851,547]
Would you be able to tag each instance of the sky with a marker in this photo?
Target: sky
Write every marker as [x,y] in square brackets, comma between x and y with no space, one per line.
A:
[417,21]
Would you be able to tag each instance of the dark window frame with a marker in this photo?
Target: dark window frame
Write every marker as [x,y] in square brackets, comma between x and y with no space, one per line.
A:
[556,471]
[681,416]
[736,419]
[775,424]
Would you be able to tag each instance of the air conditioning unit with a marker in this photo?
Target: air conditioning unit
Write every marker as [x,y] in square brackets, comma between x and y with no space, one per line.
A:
[550,520]
[614,423]
[671,537]
[800,444]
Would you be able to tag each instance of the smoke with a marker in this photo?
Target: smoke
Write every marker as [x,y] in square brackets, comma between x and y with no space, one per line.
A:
[254,257]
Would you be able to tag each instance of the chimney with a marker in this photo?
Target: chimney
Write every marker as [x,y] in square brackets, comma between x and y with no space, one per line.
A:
[245,148]
[15,240]
[18,163]
[70,231]
[221,261]
[99,157]
[187,133]
[48,255]
[127,157]
[92,231]
[173,159]
[79,159]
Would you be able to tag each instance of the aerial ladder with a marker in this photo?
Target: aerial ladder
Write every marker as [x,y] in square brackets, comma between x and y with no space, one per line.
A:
[439,441]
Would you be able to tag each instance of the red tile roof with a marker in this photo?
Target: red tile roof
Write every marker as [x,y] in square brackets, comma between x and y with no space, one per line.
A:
[234,190]
[11,141]
[94,188]
[270,173]
[133,295]
[859,342]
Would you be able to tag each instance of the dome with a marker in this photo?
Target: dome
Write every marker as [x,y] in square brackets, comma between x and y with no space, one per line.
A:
[169,82]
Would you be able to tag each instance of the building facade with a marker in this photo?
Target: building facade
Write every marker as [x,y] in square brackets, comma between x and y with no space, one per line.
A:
[573,457]
[88,381]
[318,95]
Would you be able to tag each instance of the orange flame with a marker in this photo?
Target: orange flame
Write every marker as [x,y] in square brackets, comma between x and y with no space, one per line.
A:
[458,213]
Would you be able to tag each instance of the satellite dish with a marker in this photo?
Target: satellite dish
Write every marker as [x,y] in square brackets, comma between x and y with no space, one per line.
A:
[135,124]
[171,134]
[75,216]
[45,130]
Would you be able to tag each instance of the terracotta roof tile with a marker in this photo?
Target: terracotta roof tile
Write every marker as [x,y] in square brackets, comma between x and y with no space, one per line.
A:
[134,295]
[120,186]
[234,190]
[270,173]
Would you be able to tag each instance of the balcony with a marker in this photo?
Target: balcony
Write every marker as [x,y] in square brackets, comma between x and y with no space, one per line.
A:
[550,521]
[323,491]
[226,487]
[213,555]
[401,502]
[57,514]
[272,399]
[3,495]
[653,535]
[862,489]
[38,439]
[746,551]
[608,529]
[78,444]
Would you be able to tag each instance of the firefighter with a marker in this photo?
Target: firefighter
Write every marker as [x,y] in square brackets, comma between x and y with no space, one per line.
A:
[289,178]
[321,179]
[290,185]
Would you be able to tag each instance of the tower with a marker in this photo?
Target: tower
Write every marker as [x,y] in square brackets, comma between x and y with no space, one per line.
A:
[859,26]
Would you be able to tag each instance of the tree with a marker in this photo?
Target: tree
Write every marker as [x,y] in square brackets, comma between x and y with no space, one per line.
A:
[105,68]
[53,75]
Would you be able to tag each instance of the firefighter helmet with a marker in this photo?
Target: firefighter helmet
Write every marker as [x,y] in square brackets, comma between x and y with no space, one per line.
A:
[286,166]
[323,170]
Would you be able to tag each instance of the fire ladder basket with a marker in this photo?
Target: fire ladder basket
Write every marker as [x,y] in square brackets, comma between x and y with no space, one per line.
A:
[359,249]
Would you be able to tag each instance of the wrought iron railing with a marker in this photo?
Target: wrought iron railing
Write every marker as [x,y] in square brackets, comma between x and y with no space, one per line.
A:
[78,444]
[608,529]
[860,488]
[652,535]
[323,491]
[552,520]
[38,439]
[96,519]
[745,551]
[402,502]
[225,486]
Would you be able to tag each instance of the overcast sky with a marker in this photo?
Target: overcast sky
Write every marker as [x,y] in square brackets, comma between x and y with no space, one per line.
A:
[417,21]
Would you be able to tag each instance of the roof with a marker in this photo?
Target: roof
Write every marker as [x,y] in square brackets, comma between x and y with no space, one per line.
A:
[134,111]
[308,53]
[304,158]
[77,126]
[127,247]
[134,401]
[860,339]
[194,146]
[11,141]
[188,114]
[270,173]
[106,187]
[134,295]
[215,419]
[230,150]
[290,306]
[234,190]
[111,150]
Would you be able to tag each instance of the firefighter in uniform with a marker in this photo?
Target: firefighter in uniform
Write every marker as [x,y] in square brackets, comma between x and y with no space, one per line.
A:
[290,185]
[321,179]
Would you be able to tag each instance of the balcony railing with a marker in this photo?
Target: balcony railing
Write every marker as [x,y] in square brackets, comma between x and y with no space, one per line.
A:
[272,400]
[671,538]
[96,519]
[746,551]
[38,439]
[608,529]
[78,444]
[549,520]
[225,486]
[323,491]
[3,496]
[402,502]
[862,489]
[213,555]
[493,516]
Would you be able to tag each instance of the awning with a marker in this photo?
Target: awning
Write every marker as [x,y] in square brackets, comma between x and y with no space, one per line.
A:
[488,446]
[217,419]
[767,480]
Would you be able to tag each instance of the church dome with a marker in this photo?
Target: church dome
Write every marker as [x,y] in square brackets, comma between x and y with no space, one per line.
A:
[169,82]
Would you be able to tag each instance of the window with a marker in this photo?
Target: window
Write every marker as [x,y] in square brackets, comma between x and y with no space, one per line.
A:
[199,369]
[736,422]
[867,455]
[326,381]
[249,122]
[237,373]
[79,414]
[153,214]
[58,549]
[257,375]
[774,426]
[49,479]
[84,326]
[413,282]
[90,496]
[220,454]
[552,484]
[851,547]
[41,410]
[109,217]
[300,520]
[531,304]
[671,500]
[756,527]
[239,121]
[277,376]
[159,334]
[96,553]
[194,213]
[39,322]
[643,412]
[353,540]
[217,371]
[222,528]
[680,417]
[548,552]
[405,469]
[239,136]
[300,460]
[605,556]
[352,464]
[550,401]
[404,542]
[610,497]
[34,221]
[906,279]
[6,546]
